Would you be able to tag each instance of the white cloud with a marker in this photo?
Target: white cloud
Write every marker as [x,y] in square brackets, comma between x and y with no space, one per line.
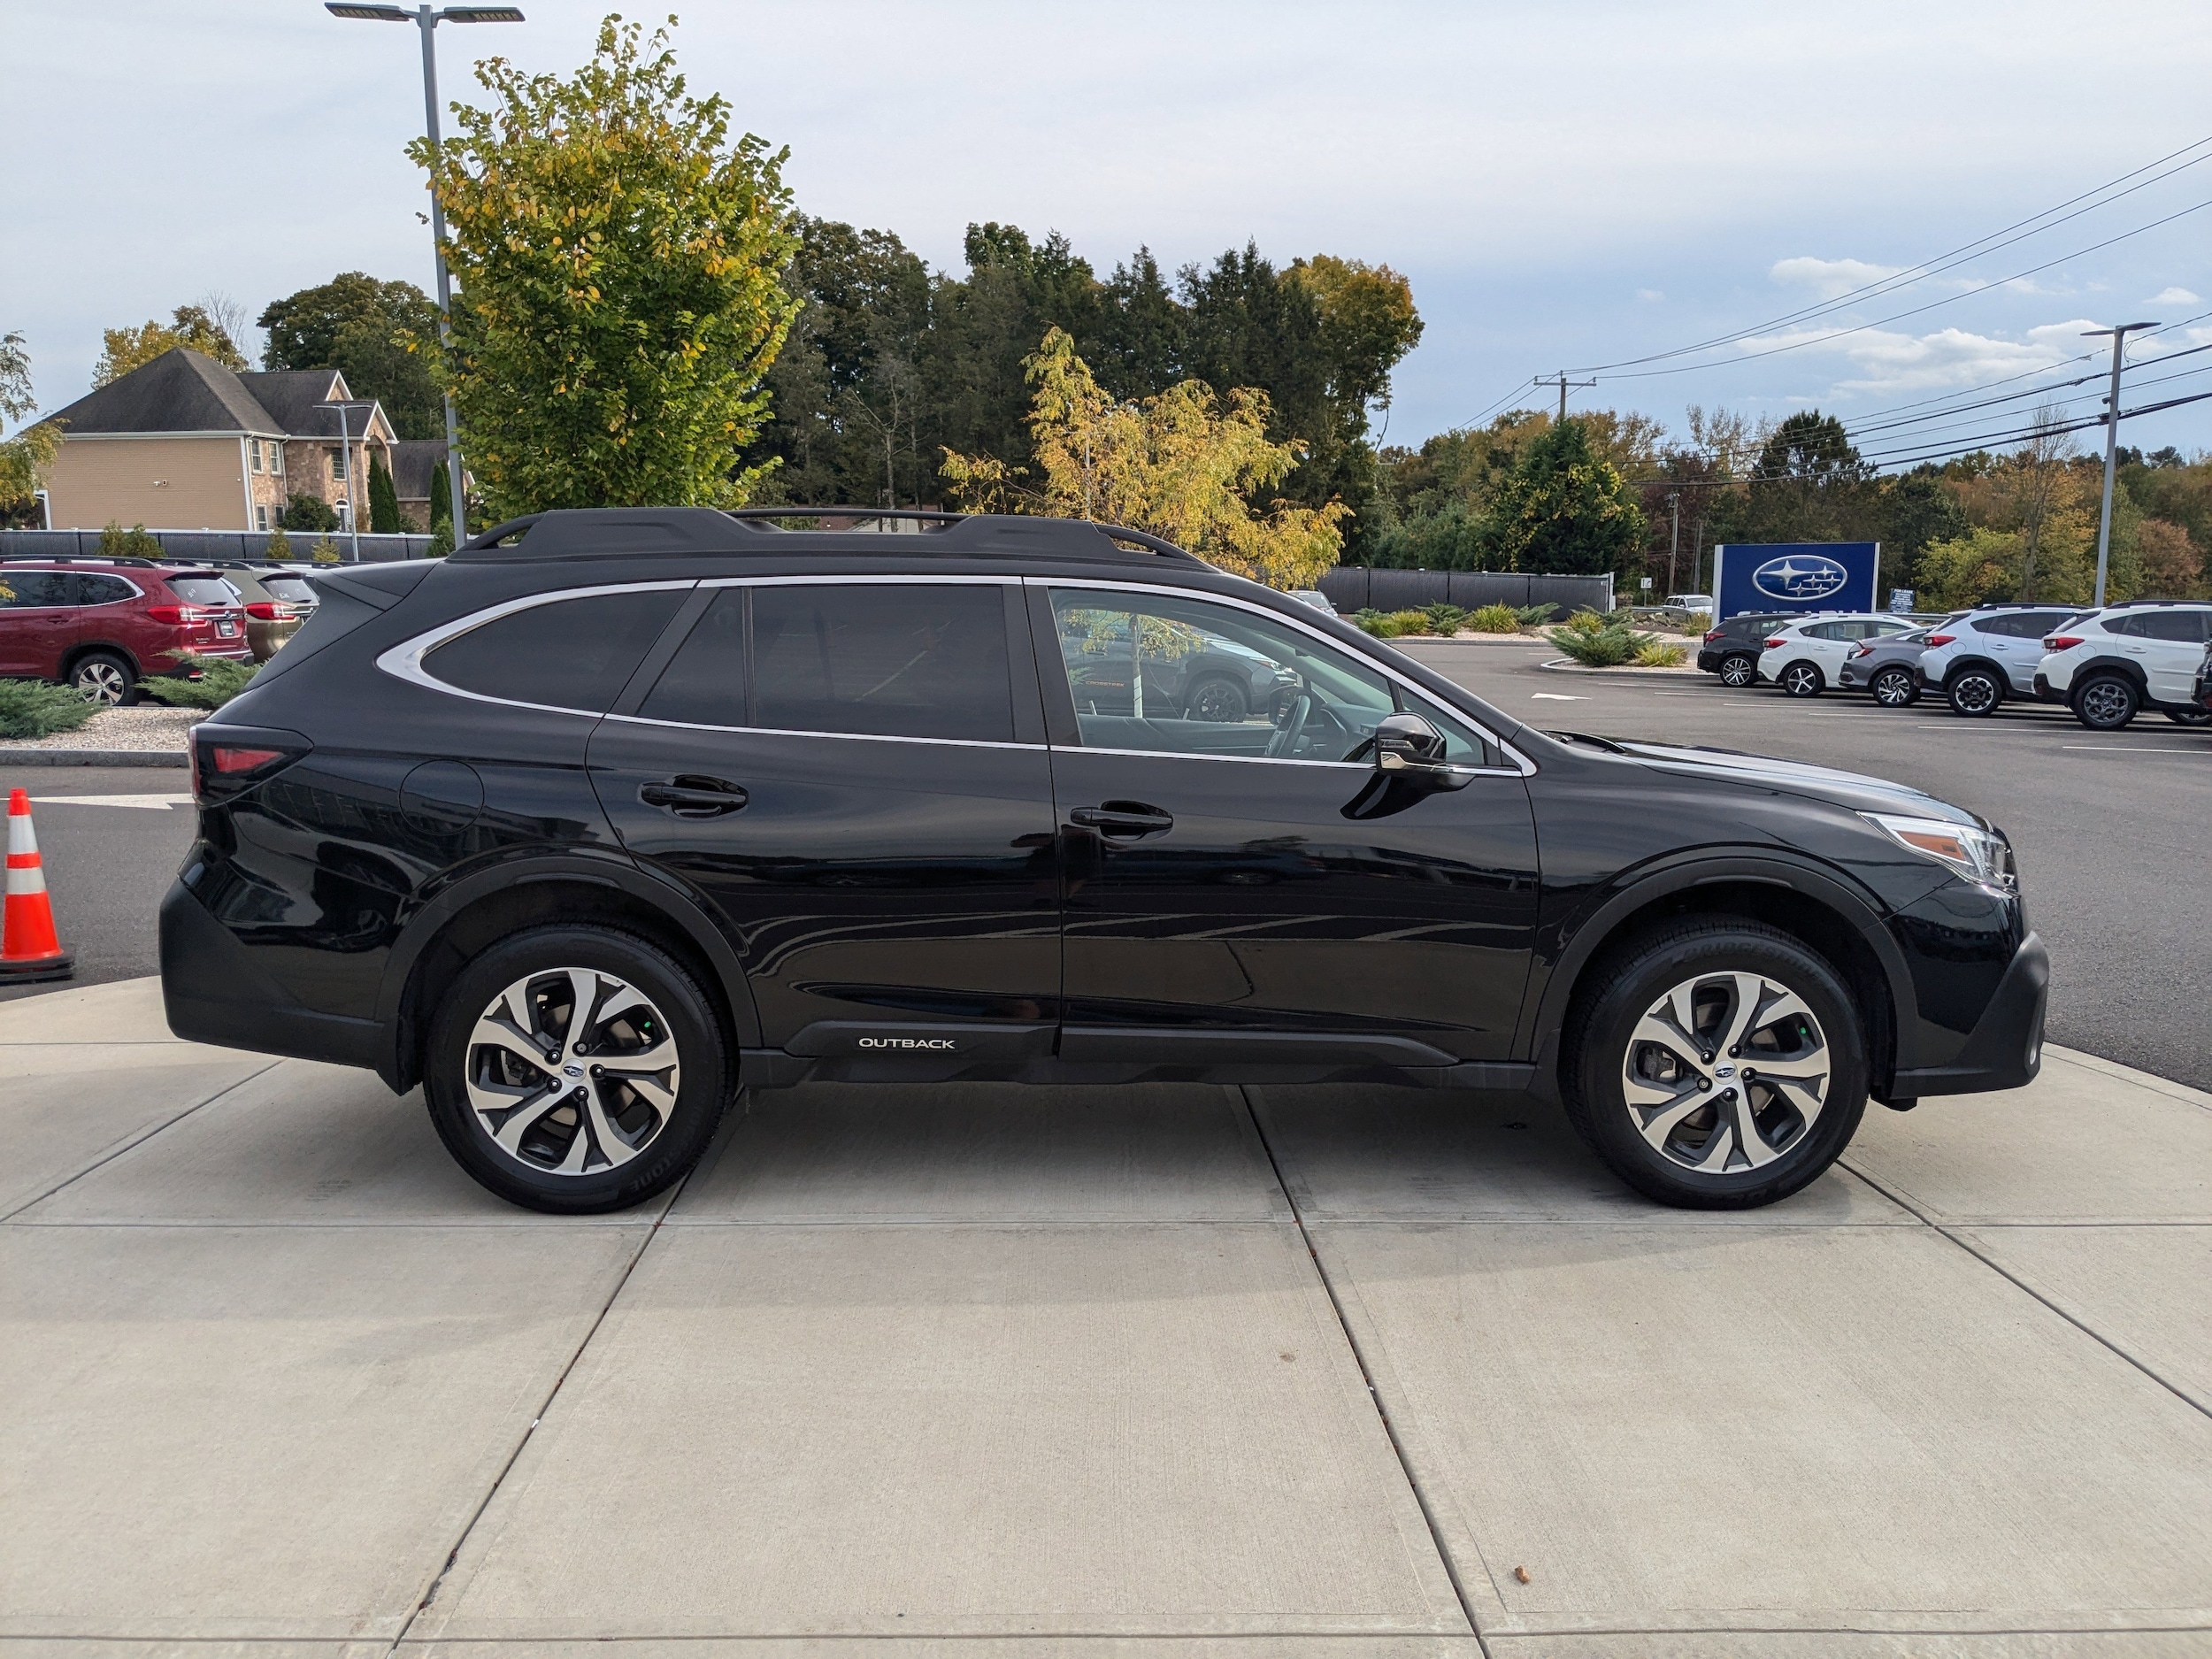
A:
[2171,296]
[1882,363]
[1830,278]
[1649,296]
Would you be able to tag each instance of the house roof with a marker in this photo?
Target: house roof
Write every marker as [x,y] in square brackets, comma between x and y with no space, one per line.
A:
[184,390]
[413,461]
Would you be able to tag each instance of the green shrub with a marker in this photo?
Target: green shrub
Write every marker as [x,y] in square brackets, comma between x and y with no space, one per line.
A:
[323,552]
[1586,621]
[1605,645]
[137,542]
[1367,619]
[220,680]
[1495,619]
[1529,615]
[1661,654]
[1445,620]
[30,708]
[279,545]
[441,538]
[304,511]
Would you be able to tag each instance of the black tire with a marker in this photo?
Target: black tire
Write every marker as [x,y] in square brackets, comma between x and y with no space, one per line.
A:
[1739,669]
[667,1144]
[104,677]
[1895,688]
[2106,702]
[1217,699]
[1601,1045]
[1802,679]
[1974,692]
[2189,717]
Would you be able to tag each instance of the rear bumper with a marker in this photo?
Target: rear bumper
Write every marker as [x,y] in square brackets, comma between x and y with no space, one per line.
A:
[213,991]
[2046,692]
[2005,1048]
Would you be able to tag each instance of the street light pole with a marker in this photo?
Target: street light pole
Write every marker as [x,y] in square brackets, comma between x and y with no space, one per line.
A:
[2111,443]
[427,19]
[345,466]
[1674,541]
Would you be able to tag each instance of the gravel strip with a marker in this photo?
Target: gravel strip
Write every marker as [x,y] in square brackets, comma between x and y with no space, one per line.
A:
[145,727]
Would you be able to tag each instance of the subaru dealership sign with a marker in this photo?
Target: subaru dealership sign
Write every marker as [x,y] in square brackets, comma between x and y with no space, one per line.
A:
[1795,576]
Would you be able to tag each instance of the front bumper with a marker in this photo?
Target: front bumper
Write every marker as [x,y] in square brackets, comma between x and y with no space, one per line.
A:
[2005,1048]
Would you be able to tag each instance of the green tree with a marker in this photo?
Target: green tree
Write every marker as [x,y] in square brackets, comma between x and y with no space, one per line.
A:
[1808,484]
[1566,509]
[124,349]
[618,261]
[305,512]
[25,456]
[441,496]
[1914,511]
[383,499]
[380,335]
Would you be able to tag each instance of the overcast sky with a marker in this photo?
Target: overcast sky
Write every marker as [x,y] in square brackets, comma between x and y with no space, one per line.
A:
[1566,185]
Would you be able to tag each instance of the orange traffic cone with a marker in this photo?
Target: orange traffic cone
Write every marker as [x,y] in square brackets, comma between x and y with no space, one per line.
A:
[29,949]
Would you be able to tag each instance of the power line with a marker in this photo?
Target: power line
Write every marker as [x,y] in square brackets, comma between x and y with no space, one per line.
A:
[1858,433]
[1910,274]
[2078,425]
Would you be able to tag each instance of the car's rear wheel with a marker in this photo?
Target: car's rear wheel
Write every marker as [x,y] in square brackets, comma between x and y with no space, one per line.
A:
[1717,1064]
[1973,692]
[1739,669]
[2189,717]
[1218,699]
[2106,702]
[1802,679]
[1895,689]
[576,1068]
[104,678]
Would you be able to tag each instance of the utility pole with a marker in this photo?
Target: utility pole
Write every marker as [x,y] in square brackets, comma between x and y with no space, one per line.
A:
[2111,442]
[1674,541]
[1561,380]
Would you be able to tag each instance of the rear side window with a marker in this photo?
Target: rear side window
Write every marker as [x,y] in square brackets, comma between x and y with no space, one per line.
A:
[2187,625]
[704,682]
[28,590]
[566,654]
[101,590]
[203,590]
[920,659]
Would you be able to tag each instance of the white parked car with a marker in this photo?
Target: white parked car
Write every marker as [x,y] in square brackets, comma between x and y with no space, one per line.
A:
[1804,658]
[1315,597]
[1981,657]
[2112,664]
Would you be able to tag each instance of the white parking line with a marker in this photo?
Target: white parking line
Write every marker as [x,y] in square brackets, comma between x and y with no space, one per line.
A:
[145,802]
[2134,749]
[1554,696]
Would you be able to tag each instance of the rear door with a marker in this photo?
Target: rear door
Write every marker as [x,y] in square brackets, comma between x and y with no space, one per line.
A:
[1235,893]
[2170,644]
[852,773]
[2014,639]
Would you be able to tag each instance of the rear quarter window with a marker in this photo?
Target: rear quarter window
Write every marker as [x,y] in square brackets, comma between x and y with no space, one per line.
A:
[562,654]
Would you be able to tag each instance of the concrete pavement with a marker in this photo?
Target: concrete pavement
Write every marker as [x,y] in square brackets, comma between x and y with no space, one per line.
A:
[1322,1371]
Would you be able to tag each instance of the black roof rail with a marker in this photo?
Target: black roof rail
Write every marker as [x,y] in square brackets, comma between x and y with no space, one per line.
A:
[77,559]
[604,532]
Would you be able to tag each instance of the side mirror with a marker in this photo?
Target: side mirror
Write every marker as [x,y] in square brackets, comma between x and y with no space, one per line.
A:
[1408,747]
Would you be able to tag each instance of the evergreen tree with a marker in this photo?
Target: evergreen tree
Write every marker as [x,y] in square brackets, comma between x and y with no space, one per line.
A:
[1565,509]
[383,499]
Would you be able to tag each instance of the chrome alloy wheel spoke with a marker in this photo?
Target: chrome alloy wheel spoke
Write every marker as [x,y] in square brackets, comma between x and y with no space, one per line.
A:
[1698,1081]
[560,1060]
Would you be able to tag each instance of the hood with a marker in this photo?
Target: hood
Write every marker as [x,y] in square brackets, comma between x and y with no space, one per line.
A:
[1854,791]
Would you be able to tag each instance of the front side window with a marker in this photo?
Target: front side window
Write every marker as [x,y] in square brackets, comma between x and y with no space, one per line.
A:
[567,653]
[33,590]
[1163,675]
[2185,625]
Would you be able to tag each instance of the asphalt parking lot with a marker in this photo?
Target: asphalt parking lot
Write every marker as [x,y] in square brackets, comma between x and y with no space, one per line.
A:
[2112,830]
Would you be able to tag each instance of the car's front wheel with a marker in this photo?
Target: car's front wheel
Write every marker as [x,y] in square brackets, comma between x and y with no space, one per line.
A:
[1894,689]
[1717,1064]
[576,1068]
[2189,717]
[1739,669]
[1801,680]
[2106,702]
[1974,692]
[106,679]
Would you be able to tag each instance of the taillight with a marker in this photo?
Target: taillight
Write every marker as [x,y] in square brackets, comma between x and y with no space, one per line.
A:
[1862,647]
[262,611]
[1715,634]
[2062,642]
[1941,638]
[234,759]
[176,614]
[1773,643]
[228,760]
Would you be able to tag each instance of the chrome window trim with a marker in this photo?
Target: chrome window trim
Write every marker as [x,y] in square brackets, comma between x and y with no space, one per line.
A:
[1521,767]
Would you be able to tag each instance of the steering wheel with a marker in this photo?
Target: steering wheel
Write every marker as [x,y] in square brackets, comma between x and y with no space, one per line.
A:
[1293,726]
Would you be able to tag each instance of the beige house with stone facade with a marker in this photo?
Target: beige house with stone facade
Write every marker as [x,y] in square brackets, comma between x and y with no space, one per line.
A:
[184,443]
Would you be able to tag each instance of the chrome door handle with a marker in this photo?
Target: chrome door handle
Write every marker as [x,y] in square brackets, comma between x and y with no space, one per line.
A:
[694,797]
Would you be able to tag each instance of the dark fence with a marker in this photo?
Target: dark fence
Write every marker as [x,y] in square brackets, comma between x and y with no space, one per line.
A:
[1356,587]
[212,544]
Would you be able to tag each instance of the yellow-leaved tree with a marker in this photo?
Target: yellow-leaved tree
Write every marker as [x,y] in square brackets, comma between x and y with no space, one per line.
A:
[1185,465]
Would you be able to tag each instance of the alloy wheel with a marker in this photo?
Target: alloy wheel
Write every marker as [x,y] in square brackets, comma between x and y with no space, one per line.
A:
[1801,680]
[1893,687]
[2107,705]
[1726,1073]
[102,682]
[1219,700]
[1974,692]
[1738,671]
[572,1071]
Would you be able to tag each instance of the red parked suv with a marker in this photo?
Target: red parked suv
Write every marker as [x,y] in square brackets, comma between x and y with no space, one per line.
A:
[103,624]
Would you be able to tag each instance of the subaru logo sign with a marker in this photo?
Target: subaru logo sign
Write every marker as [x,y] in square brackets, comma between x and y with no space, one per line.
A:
[1800,577]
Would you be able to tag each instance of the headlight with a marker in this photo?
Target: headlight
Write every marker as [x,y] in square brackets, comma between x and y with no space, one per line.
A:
[1973,853]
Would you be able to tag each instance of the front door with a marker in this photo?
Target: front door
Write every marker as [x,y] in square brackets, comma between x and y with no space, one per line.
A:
[37,622]
[1234,889]
[854,774]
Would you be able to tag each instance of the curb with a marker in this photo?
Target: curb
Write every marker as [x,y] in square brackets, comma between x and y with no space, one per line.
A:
[1563,666]
[96,756]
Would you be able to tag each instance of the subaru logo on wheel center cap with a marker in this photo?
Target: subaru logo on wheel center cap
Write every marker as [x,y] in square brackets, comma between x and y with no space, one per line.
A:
[1719,1070]
[573,1070]
[1800,576]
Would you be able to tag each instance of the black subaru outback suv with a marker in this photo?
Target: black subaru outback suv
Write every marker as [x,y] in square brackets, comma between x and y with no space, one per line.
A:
[611,813]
